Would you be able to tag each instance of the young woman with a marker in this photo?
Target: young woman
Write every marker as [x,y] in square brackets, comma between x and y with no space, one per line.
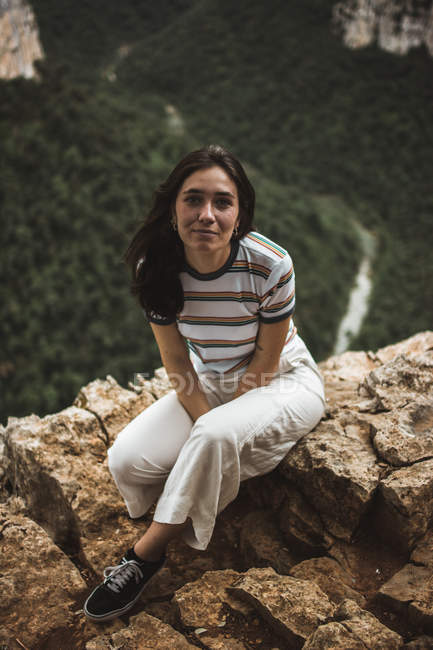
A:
[220,299]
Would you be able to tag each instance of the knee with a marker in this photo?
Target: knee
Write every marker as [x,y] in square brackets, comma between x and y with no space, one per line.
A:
[212,432]
[120,459]
[126,464]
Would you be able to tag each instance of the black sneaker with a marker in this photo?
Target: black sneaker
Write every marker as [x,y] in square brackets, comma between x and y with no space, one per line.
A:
[121,588]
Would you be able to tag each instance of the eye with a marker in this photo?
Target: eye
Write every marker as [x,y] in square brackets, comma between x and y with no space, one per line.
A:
[223,203]
[192,200]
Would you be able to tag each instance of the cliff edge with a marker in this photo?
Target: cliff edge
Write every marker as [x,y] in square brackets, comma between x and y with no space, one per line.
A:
[333,549]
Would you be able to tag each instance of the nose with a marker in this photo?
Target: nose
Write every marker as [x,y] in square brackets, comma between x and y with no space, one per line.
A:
[206,212]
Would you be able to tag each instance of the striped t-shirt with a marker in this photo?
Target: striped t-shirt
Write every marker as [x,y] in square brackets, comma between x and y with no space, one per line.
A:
[222,310]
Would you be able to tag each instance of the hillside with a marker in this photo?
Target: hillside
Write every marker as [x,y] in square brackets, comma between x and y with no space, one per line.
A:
[328,135]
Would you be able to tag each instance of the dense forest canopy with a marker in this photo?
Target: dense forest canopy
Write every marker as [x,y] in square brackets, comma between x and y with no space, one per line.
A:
[328,135]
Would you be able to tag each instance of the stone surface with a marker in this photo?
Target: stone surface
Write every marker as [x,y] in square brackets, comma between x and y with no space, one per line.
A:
[58,466]
[37,578]
[405,436]
[201,603]
[336,468]
[261,543]
[353,629]
[397,26]
[332,579]
[411,347]
[420,643]
[292,607]
[400,381]
[144,632]
[405,507]
[357,489]
[113,405]
[19,39]
[410,593]
[422,553]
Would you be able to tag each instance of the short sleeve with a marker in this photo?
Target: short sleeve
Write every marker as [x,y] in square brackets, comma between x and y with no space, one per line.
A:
[278,301]
[153,317]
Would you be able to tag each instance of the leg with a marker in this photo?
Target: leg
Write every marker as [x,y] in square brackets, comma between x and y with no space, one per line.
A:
[235,441]
[145,451]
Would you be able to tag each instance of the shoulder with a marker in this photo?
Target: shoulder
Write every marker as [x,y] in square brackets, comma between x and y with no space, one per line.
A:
[262,250]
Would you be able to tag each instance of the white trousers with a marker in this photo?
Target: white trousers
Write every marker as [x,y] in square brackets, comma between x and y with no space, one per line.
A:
[194,469]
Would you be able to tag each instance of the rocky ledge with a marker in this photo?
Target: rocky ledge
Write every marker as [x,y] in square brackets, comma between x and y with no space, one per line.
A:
[333,549]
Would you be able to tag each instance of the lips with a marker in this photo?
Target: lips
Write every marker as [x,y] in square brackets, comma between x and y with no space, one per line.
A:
[205,232]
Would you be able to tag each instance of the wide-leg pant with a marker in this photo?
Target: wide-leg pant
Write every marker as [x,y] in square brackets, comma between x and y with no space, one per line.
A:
[194,469]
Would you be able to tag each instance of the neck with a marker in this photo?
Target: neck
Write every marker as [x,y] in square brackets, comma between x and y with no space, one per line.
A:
[207,262]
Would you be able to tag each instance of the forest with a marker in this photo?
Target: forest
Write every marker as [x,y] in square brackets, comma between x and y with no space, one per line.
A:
[329,137]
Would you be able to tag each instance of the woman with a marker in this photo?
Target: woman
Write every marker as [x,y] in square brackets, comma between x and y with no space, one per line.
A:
[220,299]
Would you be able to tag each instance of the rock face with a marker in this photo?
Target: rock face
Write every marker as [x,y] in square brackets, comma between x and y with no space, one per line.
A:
[333,549]
[396,25]
[19,40]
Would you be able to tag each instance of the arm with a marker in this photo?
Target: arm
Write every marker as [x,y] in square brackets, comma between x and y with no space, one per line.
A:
[174,356]
[264,363]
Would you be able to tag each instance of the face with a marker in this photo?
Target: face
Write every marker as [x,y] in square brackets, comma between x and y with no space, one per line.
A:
[206,212]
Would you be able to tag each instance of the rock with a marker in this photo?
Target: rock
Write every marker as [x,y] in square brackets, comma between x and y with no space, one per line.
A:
[410,593]
[348,366]
[299,522]
[201,603]
[261,543]
[335,467]
[293,608]
[411,347]
[405,436]
[334,581]
[37,578]
[421,643]
[19,38]
[422,554]
[58,467]
[113,405]
[353,629]
[405,508]
[397,26]
[144,632]
[301,525]
[400,381]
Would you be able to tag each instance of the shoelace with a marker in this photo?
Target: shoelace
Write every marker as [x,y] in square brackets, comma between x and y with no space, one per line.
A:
[116,577]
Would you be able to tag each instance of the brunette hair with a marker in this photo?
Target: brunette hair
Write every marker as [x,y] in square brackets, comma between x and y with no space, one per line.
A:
[156,254]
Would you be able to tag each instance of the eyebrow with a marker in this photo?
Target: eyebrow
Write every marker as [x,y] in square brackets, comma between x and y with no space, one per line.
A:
[196,191]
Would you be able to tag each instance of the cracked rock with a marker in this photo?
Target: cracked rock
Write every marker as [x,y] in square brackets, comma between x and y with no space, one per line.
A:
[353,629]
[293,608]
[336,468]
[58,466]
[113,405]
[144,632]
[39,585]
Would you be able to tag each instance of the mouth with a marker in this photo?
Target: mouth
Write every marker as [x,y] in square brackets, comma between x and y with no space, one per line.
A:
[204,232]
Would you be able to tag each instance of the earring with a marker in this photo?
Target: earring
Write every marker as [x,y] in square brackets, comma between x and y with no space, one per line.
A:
[236,231]
[173,224]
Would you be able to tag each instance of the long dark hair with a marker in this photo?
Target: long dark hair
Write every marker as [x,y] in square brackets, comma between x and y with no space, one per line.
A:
[156,254]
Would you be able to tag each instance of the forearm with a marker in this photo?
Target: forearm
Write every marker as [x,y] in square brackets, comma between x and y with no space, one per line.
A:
[257,374]
[190,394]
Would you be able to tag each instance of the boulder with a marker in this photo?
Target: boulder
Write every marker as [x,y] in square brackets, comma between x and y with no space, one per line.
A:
[113,405]
[58,466]
[144,632]
[353,628]
[332,579]
[293,608]
[335,467]
[405,436]
[38,579]
[405,508]
[261,543]
[400,381]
